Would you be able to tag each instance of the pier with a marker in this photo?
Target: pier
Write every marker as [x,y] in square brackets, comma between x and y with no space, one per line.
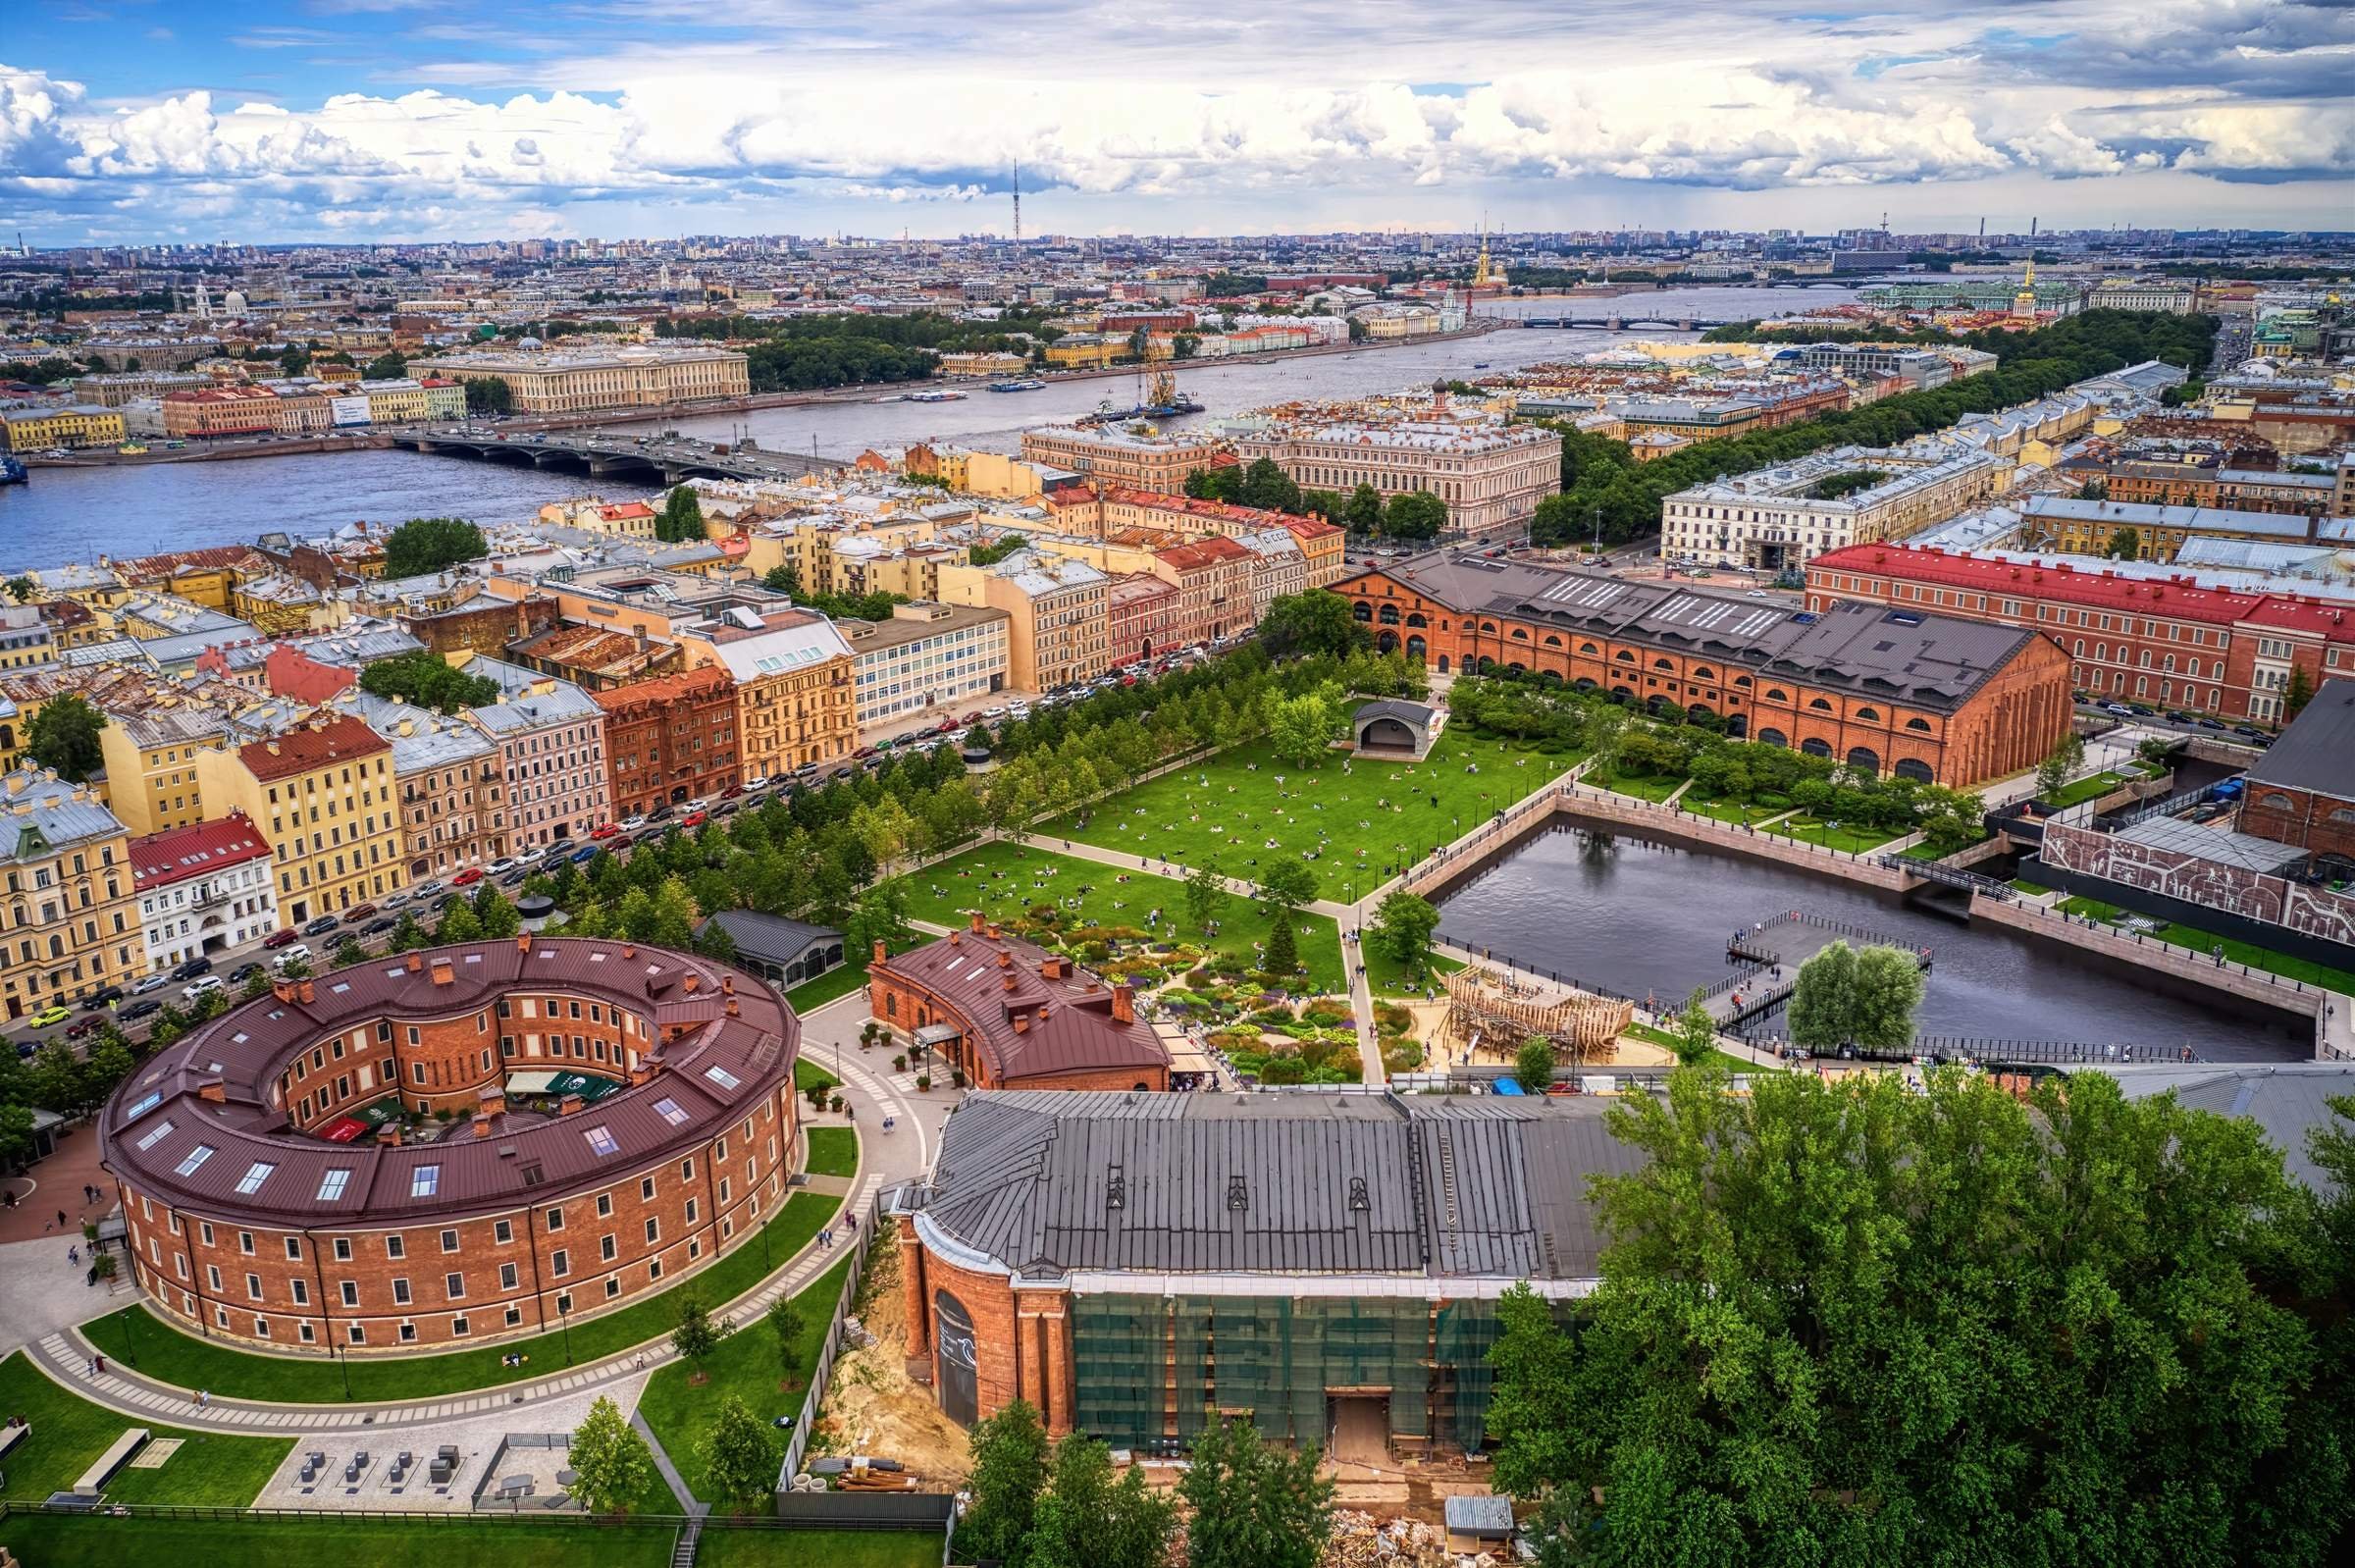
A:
[668,459]
[1770,953]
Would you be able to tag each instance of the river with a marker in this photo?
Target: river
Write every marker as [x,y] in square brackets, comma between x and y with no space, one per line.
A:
[1650,918]
[67,514]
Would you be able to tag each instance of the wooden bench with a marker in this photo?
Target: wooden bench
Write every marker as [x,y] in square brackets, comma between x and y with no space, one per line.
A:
[13,1433]
[93,1479]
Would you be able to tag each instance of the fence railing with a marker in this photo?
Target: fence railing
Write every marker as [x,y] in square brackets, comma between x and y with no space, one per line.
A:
[799,1444]
[1959,1048]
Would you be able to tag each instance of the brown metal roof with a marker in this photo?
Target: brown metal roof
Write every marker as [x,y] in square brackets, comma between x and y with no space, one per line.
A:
[1066,1023]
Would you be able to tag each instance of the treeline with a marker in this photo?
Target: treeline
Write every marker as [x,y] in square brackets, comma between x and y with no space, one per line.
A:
[2226,271]
[808,353]
[1601,481]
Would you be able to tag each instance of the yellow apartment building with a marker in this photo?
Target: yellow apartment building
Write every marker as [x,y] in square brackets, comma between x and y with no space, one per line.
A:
[71,923]
[323,795]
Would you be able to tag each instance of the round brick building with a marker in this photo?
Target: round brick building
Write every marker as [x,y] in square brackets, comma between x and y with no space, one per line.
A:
[458,1145]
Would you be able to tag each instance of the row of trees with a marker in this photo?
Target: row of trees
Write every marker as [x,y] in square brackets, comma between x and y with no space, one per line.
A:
[1605,490]
[1838,1323]
[427,679]
[1410,515]
[424,544]
[841,349]
[874,606]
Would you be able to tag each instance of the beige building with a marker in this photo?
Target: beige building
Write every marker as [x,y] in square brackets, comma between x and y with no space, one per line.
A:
[323,795]
[72,921]
[1112,456]
[552,381]
[928,656]
[1492,477]
[794,684]
[1775,519]
[452,789]
[1056,631]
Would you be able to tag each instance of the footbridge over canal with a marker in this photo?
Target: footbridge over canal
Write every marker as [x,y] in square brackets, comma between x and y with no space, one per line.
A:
[667,459]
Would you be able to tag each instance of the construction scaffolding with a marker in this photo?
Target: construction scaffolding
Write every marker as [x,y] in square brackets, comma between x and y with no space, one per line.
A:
[1501,1008]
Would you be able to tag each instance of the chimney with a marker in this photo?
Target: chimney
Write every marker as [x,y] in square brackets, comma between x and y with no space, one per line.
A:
[974,916]
[1005,958]
[417,962]
[1022,1020]
[212,1089]
[993,932]
[1050,967]
[443,974]
[1123,1004]
[629,950]
[569,1104]
[1010,982]
[492,1102]
[284,990]
[523,941]
[727,985]
[482,1125]
[691,982]
[304,995]
[388,1134]
[882,952]
[733,1010]
[956,939]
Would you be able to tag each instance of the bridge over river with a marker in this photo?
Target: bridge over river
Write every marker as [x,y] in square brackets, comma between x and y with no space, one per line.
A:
[649,460]
[1633,323]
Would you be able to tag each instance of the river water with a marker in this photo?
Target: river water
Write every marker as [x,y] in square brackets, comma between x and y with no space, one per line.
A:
[76,514]
[1650,918]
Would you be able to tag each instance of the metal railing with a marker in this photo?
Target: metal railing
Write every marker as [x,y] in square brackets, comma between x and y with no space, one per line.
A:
[796,1446]
[1985,1051]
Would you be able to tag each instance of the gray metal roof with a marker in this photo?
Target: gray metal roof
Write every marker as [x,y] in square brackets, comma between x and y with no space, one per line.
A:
[1051,1181]
[772,938]
[2318,750]
[2286,1098]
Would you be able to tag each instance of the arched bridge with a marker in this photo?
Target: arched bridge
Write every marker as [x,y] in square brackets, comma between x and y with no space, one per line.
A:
[668,459]
[1628,323]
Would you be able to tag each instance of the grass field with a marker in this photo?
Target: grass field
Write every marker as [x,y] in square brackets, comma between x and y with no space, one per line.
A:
[808,1076]
[52,1541]
[835,983]
[1723,1059]
[1738,813]
[1384,977]
[1852,840]
[1356,816]
[1642,786]
[70,1433]
[165,1353]
[810,1549]
[1002,880]
[2202,942]
[745,1365]
[833,1151]
[2085,788]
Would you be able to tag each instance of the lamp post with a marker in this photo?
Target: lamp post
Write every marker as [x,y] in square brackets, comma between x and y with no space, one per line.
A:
[130,1346]
[343,1364]
[564,1320]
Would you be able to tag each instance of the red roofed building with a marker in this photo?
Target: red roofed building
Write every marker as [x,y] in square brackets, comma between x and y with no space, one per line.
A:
[323,795]
[670,739]
[1144,616]
[292,674]
[207,411]
[2133,632]
[203,888]
[1116,508]
[1212,579]
[1009,1015]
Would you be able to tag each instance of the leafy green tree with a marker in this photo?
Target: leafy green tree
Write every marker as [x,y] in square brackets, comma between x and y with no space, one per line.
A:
[1414,514]
[785,579]
[424,544]
[1404,925]
[1285,886]
[1841,1323]
[1301,728]
[611,1462]
[429,680]
[1318,622]
[489,395]
[1862,996]
[2126,544]
[16,1132]
[2052,773]
[1363,513]
[1282,956]
[1695,1031]
[495,917]
[1206,894]
[1534,1065]
[1009,1472]
[20,589]
[880,915]
[681,520]
[459,924]
[1250,1504]
[63,737]
[786,1321]
[2300,692]
[408,936]
[1087,1520]
[740,1453]
[698,1334]
[385,367]
[1268,487]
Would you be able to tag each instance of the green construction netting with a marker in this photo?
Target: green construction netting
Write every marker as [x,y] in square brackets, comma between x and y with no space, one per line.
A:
[1119,1351]
[1466,1332]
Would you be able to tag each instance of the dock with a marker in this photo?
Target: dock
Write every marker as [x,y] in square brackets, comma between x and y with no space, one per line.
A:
[1770,953]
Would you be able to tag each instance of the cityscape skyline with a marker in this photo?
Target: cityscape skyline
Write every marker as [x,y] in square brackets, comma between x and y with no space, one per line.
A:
[413,121]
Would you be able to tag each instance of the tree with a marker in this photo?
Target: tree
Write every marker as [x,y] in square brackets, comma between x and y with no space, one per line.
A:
[2299,693]
[1414,514]
[785,579]
[698,1334]
[1533,1064]
[2126,544]
[1282,956]
[388,366]
[1268,487]
[740,1453]
[681,520]
[1206,894]
[1301,728]
[459,924]
[880,916]
[1362,514]
[64,736]
[1285,886]
[427,679]
[1306,625]
[1404,925]
[611,1463]
[786,1321]
[1088,1520]
[1863,997]
[1009,1472]
[1841,1323]
[489,395]
[20,589]
[1254,1505]
[2052,773]
[495,915]
[425,544]
[1695,1031]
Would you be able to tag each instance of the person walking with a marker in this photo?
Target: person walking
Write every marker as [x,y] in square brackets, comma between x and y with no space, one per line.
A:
[204,1398]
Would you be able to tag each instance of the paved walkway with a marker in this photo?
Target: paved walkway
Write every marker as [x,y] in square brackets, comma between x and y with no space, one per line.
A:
[883,1162]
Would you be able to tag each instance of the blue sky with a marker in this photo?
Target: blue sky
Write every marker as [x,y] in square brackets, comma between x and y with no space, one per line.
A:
[126,120]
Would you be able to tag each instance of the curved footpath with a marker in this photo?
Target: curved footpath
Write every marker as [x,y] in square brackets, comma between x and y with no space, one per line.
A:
[883,1161]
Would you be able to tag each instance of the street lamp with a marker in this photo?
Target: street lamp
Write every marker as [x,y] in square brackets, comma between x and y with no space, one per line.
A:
[564,1320]
[131,1345]
[343,1364]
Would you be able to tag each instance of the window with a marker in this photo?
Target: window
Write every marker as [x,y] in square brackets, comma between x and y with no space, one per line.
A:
[450,1242]
[246,1242]
[333,1184]
[351,1292]
[454,1286]
[506,1277]
[646,1189]
[653,1231]
[255,1174]
[156,1134]
[668,1110]
[605,1205]
[400,1292]
[394,1247]
[253,1288]
[425,1181]
[555,1219]
[342,1249]
[196,1157]
[561,1263]
[601,1141]
[502,1231]
[605,1248]
[294,1250]
[722,1076]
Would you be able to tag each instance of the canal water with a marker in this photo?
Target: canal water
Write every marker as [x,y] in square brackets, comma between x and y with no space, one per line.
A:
[76,514]
[1648,918]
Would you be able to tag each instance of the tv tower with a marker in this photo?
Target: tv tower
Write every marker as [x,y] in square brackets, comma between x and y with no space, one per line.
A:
[1017,202]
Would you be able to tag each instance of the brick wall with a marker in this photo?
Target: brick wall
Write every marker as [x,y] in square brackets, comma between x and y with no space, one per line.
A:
[1022,1338]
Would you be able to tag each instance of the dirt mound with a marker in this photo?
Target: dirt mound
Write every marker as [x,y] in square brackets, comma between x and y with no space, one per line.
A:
[874,1407]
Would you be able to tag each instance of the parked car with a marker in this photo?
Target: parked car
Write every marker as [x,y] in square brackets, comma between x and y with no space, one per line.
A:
[243,973]
[2210,723]
[2250,730]
[203,986]
[279,938]
[660,813]
[691,819]
[299,953]
[603,830]
[193,968]
[2119,710]
[425,889]
[51,1015]
[759,781]
[633,822]
[586,853]
[105,995]
[322,926]
[141,1010]
[468,877]
[83,1024]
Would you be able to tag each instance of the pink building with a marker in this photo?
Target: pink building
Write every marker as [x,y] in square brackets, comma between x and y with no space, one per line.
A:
[551,744]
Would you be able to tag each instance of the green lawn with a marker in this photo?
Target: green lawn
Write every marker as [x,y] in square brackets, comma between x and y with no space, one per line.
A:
[805,1548]
[835,983]
[745,1365]
[1642,786]
[70,1433]
[1002,880]
[56,1540]
[1738,813]
[808,1076]
[1723,1059]
[1926,851]
[1361,815]
[1854,840]
[833,1151]
[2202,942]
[2086,789]
[2027,886]
[165,1353]
[1386,978]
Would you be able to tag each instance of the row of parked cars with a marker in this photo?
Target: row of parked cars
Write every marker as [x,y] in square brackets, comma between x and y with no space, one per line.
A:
[2249,733]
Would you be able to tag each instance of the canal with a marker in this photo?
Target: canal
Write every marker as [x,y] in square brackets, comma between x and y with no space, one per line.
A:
[1651,918]
[76,514]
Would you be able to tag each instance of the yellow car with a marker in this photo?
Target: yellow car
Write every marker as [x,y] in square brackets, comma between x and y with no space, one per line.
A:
[55,1015]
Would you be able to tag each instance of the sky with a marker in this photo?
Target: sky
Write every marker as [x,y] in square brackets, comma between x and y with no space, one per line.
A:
[350,121]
